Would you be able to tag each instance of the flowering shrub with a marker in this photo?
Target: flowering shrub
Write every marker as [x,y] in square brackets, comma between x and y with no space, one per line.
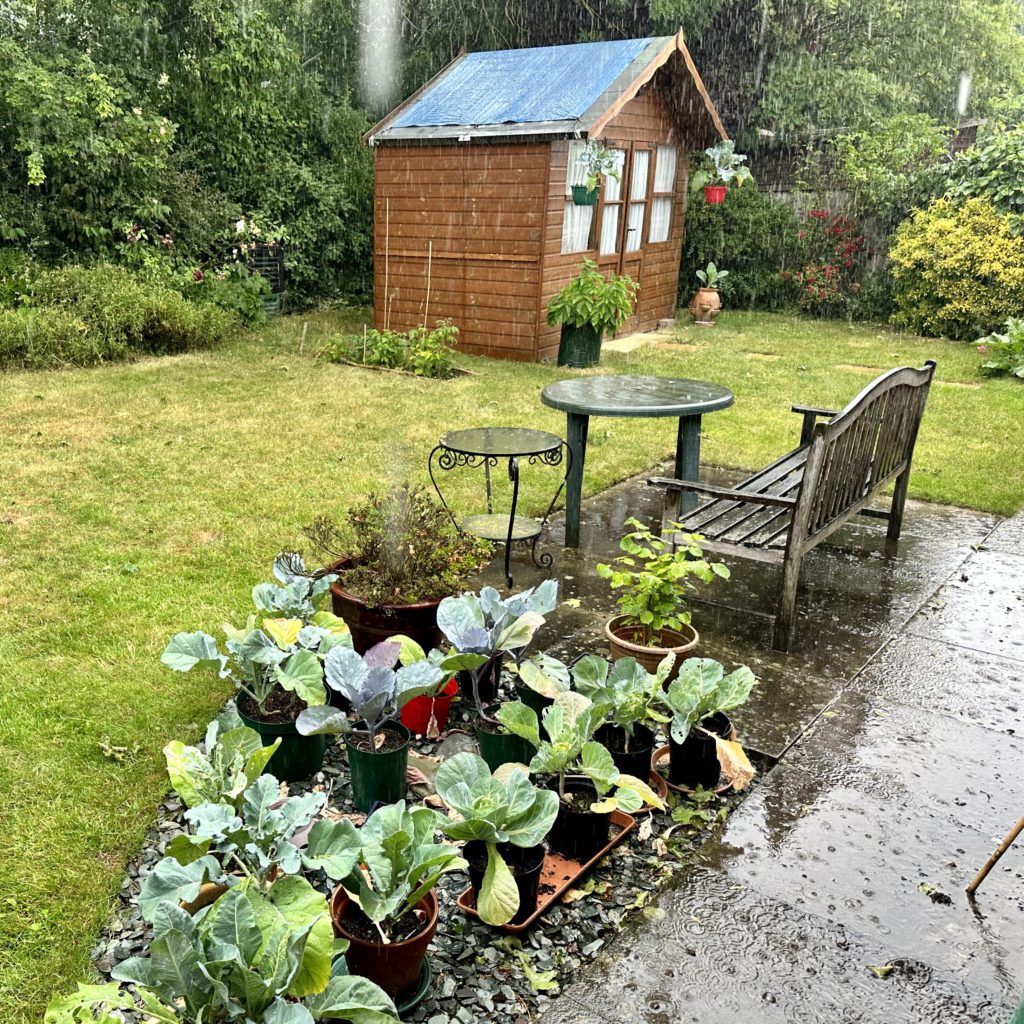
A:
[833,245]
[1004,352]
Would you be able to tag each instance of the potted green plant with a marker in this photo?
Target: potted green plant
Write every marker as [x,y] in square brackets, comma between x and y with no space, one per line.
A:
[505,818]
[586,307]
[386,908]
[596,161]
[378,752]
[396,557]
[706,303]
[726,166]
[580,770]
[541,677]
[633,697]
[276,663]
[701,743]
[654,580]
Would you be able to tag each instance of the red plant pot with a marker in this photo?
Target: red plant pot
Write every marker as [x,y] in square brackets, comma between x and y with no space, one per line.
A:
[418,713]
[715,194]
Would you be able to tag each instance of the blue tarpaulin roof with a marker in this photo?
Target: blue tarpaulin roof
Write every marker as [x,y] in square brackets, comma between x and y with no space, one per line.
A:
[550,83]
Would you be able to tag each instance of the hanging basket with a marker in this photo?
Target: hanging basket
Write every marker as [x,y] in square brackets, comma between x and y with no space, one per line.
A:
[583,196]
[714,194]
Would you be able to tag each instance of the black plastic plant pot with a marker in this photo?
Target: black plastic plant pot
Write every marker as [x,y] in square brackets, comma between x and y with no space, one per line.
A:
[379,776]
[583,196]
[533,699]
[577,833]
[525,865]
[635,762]
[298,757]
[579,347]
[498,748]
[490,679]
[694,762]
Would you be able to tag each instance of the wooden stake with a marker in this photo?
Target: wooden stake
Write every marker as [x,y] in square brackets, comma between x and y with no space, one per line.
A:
[387,259]
[426,301]
[302,340]
[991,862]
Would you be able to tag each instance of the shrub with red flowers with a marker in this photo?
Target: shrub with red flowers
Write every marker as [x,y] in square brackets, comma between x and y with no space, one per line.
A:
[832,249]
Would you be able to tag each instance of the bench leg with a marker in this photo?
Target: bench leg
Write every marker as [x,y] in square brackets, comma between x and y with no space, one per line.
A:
[785,612]
[899,499]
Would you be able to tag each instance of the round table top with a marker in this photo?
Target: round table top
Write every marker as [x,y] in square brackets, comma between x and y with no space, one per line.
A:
[636,396]
[500,441]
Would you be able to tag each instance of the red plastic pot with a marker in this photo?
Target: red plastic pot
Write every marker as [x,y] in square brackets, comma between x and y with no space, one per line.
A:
[715,194]
[418,713]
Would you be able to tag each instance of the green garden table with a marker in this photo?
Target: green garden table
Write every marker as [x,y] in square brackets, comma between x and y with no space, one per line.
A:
[582,397]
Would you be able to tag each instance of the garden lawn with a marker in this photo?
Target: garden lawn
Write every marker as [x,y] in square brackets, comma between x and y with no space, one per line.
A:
[140,499]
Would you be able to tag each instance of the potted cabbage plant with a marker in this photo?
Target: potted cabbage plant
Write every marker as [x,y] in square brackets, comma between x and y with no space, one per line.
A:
[596,161]
[726,166]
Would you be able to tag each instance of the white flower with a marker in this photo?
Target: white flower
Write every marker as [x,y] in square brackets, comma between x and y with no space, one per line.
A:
[163,81]
[137,111]
[240,225]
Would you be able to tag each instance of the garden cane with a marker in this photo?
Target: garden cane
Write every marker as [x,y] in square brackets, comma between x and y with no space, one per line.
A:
[991,862]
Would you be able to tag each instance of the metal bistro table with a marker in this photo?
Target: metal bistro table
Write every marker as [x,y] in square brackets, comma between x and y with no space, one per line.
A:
[485,446]
[582,397]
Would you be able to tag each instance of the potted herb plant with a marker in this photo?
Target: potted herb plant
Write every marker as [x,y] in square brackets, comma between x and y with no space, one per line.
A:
[596,161]
[396,558]
[633,697]
[701,744]
[386,907]
[654,581]
[726,166]
[378,752]
[586,307]
[581,771]
[706,303]
[276,665]
[505,818]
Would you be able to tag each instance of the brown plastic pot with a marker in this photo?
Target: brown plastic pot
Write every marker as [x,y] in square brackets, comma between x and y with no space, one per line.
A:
[371,625]
[397,966]
[677,642]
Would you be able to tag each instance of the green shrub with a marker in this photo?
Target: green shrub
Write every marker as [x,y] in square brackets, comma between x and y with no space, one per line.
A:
[957,272]
[424,351]
[1004,353]
[42,338]
[992,169]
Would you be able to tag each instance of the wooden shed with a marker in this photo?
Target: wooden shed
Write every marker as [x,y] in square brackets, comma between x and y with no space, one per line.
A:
[473,212]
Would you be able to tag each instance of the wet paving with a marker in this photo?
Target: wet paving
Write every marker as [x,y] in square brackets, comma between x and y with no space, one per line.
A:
[897,724]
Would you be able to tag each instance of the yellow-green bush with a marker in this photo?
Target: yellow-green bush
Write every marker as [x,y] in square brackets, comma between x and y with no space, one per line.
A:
[957,271]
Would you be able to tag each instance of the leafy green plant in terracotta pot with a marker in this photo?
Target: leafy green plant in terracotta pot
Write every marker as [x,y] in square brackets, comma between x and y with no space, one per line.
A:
[706,303]
[653,581]
[504,819]
[702,743]
[596,161]
[586,307]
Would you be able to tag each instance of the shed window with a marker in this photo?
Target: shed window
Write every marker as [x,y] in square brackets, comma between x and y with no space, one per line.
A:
[577,221]
[612,206]
[639,181]
[664,188]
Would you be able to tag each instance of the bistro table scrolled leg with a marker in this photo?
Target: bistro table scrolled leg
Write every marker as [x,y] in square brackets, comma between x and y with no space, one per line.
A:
[576,433]
[688,459]
[513,475]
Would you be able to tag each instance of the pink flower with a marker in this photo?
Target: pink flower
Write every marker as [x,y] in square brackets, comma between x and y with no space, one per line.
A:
[197,275]
[982,349]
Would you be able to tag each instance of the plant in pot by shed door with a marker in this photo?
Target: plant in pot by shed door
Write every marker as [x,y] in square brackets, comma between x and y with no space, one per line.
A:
[396,557]
[595,161]
[726,166]
[702,743]
[580,770]
[653,579]
[706,303]
[277,664]
[378,752]
[504,819]
[586,307]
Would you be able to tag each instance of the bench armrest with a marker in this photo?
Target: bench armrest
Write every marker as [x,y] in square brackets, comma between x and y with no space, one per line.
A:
[810,414]
[728,493]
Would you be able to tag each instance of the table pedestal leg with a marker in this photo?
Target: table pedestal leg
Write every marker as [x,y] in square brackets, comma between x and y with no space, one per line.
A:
[688,459]
[576,429]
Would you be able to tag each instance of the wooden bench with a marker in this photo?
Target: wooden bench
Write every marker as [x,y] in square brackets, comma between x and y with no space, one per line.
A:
[844,459]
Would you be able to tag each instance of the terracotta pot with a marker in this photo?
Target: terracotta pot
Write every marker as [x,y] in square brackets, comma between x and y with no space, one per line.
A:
[372,625]
[705,306]
[396,967]
[715,194]
[680,643]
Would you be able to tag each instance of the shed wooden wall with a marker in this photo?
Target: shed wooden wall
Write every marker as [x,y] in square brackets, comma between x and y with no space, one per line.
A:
[482,206]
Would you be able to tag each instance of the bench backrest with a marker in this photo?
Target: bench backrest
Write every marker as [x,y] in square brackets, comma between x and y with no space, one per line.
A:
[854,454]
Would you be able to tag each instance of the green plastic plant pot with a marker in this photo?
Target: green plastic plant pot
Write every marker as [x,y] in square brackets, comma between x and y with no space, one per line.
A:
[498,748]
[580,347]
[583,196]
[378,777]
[533,699]
[298,757]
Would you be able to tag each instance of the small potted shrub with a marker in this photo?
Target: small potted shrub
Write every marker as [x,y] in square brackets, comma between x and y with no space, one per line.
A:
[579,770]
[706,303]
[277,664]
[587,307]
[633,697]
[378,751]
[654,582]
[596,161]
[397,556]
[386,907]
[726,166]
[701,744]
[505,819]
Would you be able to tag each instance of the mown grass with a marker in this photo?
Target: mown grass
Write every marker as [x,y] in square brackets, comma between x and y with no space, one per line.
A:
[139,499]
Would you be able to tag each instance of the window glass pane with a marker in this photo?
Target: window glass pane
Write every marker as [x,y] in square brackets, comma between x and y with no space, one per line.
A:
[613,188]
[610,230]
[635,226]
[575,172]
[661,219]
[641,165]
[576,227]
[665,169]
